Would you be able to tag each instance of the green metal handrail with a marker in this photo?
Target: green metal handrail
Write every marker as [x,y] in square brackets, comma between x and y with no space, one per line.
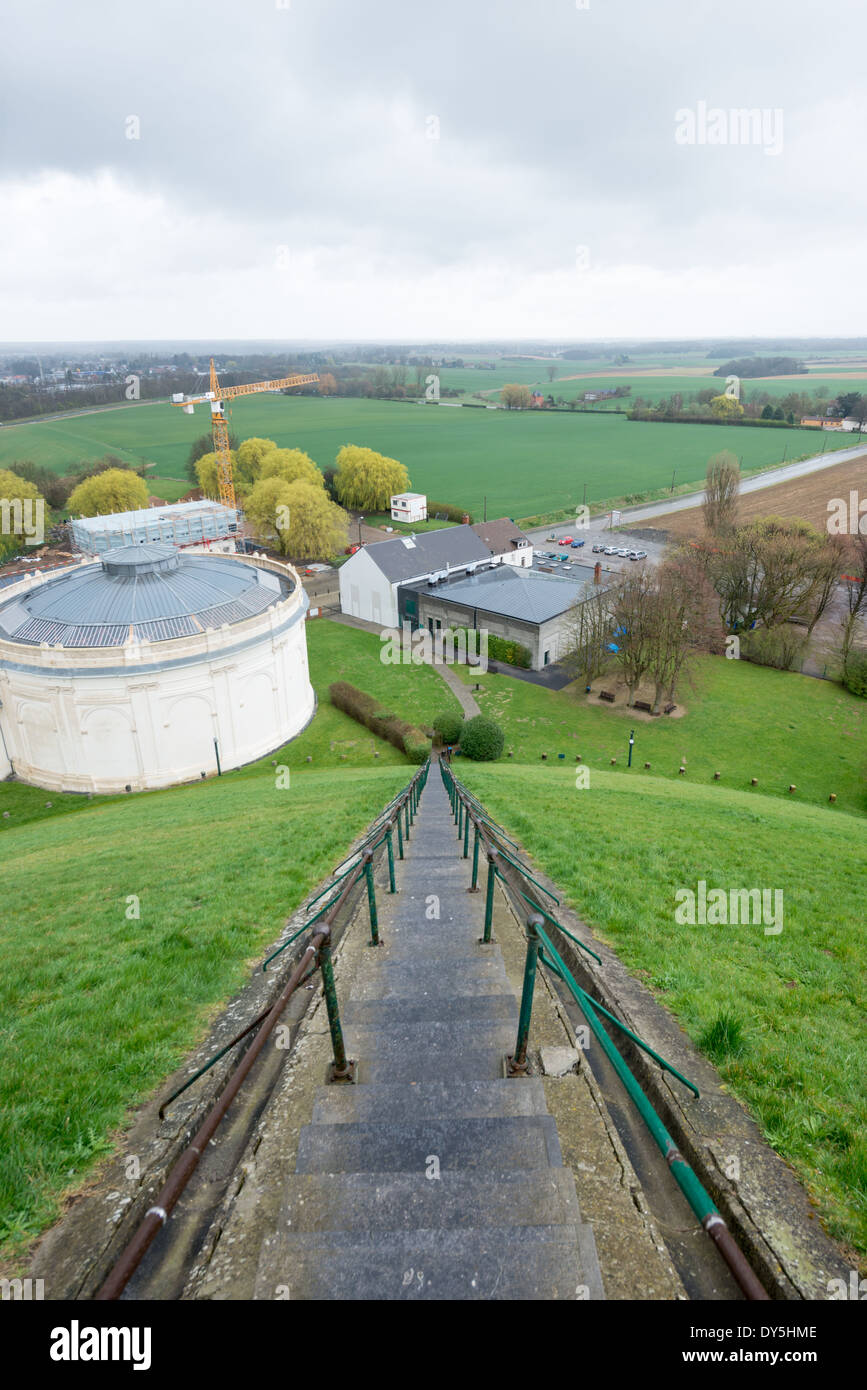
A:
[541,949]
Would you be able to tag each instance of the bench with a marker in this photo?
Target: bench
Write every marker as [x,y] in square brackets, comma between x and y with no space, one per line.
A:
[669,709]
[607,695]
[643,704]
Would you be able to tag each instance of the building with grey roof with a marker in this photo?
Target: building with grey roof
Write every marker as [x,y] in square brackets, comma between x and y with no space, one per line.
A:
[370,579]
[507,601]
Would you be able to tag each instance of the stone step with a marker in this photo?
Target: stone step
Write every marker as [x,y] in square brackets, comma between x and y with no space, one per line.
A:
[407,979]
[524,1141]
[515,1263]
[417,1101]
[367,1202]
[426,1036]
[481,1008]
[473,1064]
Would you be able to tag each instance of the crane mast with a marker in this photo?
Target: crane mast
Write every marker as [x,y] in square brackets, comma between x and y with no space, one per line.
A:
[220,426]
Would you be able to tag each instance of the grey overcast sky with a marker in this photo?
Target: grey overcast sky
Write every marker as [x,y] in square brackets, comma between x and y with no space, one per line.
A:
[455,169]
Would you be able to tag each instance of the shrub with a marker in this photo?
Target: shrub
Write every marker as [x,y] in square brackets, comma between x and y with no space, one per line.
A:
[855,674]
[449,727]
[363,707]
[482,739]
[451,513]
[783,647]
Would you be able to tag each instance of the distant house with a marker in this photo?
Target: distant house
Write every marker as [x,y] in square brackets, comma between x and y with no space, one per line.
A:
[506,541]
[409,507]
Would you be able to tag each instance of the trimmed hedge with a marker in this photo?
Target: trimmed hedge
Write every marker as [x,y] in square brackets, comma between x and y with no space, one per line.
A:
[451,513]
[449,727]
[482,739]
[368,711]
[502,649]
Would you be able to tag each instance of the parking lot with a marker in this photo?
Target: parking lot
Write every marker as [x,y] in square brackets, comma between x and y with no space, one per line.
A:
[546,542]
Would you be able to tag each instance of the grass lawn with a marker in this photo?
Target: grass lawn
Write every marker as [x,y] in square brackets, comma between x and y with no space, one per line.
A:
[97,1009]
[781,1016]
[525,462]
[742,721]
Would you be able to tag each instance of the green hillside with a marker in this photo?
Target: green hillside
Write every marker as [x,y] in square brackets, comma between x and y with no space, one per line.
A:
[781,1015]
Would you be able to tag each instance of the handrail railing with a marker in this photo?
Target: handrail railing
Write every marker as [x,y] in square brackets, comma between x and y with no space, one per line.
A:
[315,956]
[541,950]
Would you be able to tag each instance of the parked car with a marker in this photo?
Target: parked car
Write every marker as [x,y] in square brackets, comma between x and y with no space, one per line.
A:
[641,554]
[566,540]
[609,550]
[598,549]
[576,545]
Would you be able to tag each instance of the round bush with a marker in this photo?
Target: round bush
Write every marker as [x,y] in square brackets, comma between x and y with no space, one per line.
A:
[449,727]
[855,675]
[482,739]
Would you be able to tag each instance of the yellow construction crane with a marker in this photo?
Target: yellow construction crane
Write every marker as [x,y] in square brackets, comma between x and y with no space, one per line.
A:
[215,398]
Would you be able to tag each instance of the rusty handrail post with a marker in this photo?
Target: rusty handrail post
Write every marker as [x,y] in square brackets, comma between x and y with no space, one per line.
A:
[489,895]
[399,835]
[517,1064]
[371,897]
[390,848]
[341,1069]
[406,813]
[466,834]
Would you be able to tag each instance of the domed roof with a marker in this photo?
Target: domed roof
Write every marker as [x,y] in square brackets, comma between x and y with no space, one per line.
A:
[152,592]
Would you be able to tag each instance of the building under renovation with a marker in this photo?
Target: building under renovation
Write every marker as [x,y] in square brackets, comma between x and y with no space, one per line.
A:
[148,666]
[205,524]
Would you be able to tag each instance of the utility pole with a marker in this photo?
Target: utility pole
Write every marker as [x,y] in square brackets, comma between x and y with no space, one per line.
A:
[673,476]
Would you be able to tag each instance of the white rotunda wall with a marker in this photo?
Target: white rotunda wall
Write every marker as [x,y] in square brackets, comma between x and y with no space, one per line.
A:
[147,715]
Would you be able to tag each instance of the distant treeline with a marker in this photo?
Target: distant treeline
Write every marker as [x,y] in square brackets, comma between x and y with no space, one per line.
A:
[761,366]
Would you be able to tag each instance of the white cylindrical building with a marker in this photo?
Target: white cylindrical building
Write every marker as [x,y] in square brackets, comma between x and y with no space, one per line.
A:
[143,668]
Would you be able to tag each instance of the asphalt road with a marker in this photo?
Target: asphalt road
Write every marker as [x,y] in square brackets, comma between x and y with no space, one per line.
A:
[637,516]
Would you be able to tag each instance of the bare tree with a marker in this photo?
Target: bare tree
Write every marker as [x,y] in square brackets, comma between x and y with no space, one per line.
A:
[721,492]
[855,585]
[682,622]
[774,571]
[588,634]
[634,624]
[552,368]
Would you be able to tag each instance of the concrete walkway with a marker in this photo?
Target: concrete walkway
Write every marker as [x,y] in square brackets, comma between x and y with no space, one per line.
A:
[433,1177]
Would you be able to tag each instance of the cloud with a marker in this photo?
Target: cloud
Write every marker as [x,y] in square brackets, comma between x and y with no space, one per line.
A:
[309,127]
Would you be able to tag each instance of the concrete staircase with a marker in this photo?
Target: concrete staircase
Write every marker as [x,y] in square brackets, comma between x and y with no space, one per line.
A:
[433,1177]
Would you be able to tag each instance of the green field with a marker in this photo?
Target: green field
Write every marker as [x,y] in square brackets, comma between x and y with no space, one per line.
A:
[525,463]
[797,1052]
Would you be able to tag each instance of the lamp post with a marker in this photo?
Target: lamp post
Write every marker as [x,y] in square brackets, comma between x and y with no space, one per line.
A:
[360,519]
[631,745]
